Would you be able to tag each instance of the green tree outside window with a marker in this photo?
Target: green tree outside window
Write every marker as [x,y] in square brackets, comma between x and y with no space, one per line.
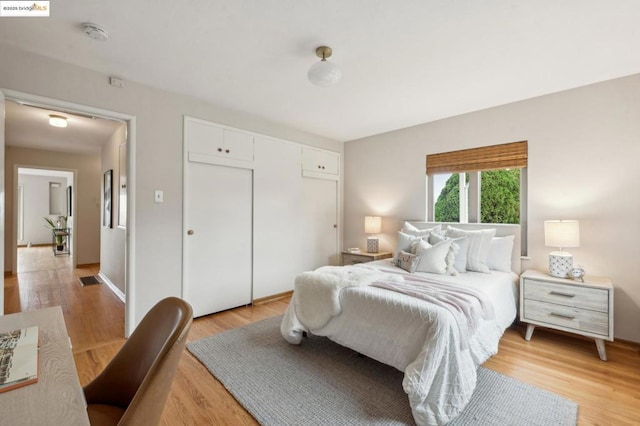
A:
[499,198]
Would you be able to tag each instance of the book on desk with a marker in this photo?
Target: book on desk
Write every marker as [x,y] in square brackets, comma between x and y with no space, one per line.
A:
[18,358]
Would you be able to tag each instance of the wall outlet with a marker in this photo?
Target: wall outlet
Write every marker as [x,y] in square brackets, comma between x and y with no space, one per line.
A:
[159,196]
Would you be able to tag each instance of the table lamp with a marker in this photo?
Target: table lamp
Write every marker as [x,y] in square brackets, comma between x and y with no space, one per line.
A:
[372,225]
[561,234]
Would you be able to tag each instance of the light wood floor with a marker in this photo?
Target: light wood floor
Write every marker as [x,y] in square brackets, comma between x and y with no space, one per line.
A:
[608,393]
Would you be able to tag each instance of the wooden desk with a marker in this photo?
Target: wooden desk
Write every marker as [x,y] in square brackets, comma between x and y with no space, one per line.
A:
[57,398]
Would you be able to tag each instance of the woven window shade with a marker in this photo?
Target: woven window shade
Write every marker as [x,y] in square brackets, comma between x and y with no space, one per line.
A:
[505,156]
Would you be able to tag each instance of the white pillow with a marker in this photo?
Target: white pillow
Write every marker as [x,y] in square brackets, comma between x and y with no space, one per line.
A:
[407,261]
[408,228]
[499,256]
[479,243]
[436,259]
[462,243]
[405,242]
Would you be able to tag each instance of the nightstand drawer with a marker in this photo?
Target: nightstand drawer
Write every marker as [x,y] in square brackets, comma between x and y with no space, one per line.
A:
[352,259]
[565,316]
[580,297]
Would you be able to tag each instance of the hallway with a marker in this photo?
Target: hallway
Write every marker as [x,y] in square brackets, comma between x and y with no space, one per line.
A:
[93,314]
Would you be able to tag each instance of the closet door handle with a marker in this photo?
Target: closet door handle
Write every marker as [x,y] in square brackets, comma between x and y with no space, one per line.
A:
[190,232]
[219,149]
[227,151]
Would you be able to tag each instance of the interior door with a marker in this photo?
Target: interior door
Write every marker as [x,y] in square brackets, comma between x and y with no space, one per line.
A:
[319,230]
[218,237]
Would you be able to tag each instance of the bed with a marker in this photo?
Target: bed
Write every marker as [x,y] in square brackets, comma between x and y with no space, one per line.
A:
[438,328]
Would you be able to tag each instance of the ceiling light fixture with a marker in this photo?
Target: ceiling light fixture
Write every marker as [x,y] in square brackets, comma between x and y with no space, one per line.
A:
[324,73]
[95,31]
[57,120]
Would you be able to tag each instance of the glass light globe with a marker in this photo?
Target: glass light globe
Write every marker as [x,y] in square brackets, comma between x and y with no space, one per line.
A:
[324,73]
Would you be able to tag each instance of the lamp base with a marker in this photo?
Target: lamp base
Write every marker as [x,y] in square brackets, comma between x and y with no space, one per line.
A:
[372,244]
[560,264]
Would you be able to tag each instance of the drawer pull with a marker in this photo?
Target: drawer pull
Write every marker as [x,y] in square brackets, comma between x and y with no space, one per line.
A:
[569,317]
[560,293]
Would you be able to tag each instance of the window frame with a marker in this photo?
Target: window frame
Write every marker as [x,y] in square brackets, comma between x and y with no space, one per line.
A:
[473,161]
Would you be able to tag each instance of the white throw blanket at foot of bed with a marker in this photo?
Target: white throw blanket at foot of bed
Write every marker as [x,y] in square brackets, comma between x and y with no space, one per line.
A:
[443,332]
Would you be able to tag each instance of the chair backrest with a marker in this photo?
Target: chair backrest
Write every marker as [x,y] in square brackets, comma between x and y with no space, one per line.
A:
[138,379]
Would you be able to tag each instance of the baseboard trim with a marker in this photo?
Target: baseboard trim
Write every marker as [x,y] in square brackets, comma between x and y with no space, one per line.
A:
[272,297]
[112,286]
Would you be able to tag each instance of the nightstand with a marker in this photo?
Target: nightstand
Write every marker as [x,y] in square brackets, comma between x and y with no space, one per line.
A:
[353,258]
[584,308]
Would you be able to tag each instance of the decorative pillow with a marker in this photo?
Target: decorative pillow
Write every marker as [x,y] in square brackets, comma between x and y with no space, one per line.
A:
[407,261]
[462,243]
[434,258]
[499,256]
[408,228]
[479,243]
[405,242]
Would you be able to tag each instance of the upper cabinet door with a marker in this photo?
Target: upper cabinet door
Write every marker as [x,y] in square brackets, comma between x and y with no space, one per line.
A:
[238,145]
[214,144]
[204,138]
[318,161]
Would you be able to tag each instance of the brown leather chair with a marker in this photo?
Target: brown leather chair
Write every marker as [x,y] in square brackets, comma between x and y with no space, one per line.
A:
[133,388]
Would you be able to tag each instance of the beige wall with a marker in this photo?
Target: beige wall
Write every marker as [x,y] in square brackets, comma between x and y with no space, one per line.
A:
[584,148]
[158,155]
[87,213]
[112,240]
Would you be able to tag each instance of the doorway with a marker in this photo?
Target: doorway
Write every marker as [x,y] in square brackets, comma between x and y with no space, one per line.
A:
[44,217]
[91,112]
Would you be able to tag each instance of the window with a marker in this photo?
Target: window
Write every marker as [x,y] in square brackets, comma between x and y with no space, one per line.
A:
[447,207]
[479,185]
[499,194]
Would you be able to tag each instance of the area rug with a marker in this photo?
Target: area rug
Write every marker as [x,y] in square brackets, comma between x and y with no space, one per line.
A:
[91,279]
[321,382]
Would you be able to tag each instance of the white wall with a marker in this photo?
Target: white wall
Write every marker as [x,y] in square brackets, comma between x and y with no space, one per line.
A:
[158,154]
[35,191]
[112,240]
[584,148]
[86,216]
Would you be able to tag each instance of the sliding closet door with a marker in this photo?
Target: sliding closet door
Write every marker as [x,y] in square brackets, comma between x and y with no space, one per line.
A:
[277,247]
[218,242]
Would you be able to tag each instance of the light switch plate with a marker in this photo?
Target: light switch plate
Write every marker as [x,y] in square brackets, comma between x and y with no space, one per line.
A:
[159,196]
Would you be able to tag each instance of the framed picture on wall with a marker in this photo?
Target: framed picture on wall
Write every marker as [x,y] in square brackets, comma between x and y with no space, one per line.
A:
[107,188]
[69,201]
[122,187]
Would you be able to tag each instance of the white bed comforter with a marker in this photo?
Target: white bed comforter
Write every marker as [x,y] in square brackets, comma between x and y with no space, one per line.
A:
[422,339]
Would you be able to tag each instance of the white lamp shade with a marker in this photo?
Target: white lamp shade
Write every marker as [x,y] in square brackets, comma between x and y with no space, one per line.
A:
[372,224]
[561,233]
[324,73]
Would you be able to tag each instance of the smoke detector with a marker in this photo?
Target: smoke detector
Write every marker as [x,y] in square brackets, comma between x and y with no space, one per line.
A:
[95,31]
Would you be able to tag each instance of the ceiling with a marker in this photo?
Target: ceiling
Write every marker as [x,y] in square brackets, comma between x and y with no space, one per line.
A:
[404,62]
[28,127]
